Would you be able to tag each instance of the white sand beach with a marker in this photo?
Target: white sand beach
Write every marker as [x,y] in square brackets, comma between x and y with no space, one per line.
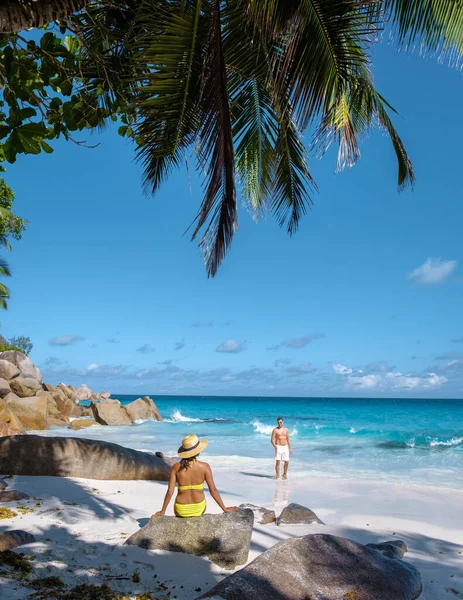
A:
[80,526]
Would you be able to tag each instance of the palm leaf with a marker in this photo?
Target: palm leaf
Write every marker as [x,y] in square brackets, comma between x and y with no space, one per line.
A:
[4,268]
[353,114]
[218,211]
[167,103]
[292,181]
[436,25]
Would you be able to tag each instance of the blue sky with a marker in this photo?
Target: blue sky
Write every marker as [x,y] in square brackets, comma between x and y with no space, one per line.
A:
[364,301]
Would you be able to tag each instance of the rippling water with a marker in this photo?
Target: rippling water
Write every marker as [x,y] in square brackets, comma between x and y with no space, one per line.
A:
[414,441]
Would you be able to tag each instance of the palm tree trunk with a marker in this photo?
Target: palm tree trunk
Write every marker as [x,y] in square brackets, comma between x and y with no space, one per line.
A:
[16,15]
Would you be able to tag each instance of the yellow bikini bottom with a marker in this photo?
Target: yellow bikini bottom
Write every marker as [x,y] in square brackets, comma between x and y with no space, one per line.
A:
[190,510]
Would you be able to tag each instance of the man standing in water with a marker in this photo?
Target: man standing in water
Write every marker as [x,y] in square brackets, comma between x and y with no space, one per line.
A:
[282,444]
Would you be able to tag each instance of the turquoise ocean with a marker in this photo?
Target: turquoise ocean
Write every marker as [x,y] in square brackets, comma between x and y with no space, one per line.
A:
[416,441]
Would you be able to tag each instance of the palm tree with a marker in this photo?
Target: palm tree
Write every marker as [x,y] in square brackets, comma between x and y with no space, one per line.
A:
[4,267]
[4,292]
[236,83]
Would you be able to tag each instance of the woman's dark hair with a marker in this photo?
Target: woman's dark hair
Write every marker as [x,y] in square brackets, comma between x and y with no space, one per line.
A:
[186,463]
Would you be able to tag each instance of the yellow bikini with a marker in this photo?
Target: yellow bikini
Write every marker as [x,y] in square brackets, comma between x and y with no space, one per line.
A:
[190,510]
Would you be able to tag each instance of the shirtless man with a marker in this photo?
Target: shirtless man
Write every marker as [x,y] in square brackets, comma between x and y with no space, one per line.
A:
[282,444]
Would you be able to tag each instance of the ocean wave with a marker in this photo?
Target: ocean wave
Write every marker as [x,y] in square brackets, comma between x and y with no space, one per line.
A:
[353,430]
[455,441]
[177,417]
[426,444]
[261,428]
[267,429]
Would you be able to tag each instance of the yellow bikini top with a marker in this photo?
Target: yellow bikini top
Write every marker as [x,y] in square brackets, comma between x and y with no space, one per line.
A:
[199,486]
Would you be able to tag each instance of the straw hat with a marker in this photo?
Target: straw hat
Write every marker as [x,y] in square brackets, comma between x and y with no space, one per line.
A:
[191,446]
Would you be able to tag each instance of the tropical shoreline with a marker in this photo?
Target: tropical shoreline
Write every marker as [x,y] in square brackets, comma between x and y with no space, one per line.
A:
[81,524]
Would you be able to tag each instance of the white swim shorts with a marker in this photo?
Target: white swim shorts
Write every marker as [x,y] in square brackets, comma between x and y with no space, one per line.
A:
[282,453]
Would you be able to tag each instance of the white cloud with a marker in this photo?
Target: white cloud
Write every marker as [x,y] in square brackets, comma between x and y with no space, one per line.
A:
[65,340]
[300,369]
[434,270]
[231,346]
[341,369]
[364,382]
[409,382]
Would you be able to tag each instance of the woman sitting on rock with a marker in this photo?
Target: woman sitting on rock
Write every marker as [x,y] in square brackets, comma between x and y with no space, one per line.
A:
[190,474]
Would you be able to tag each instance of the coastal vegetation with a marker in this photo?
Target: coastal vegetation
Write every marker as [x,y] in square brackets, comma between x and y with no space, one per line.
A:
[231,86]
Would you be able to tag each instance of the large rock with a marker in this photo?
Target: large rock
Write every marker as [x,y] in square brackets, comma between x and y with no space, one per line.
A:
[262,515]
[48,387]
[83,392]
[57,422]
[32,412]
[12,496]
[63,403]
[321,567]
[9,422]
[105,395]
[81,423]
[296,513]
[14,539]
[68,391]
[71,457]
[224,539]
[392,549]
[8,370]
[4,387]
[110,412]
[24,387]
[143,409]
[25,365]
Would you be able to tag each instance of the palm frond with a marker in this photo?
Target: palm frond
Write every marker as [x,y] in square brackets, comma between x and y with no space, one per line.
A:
[255,131]
[323,49]
[4,296]
[218,211]
[435,25]
[292,182]
[4,268]
[353,114]
[167,100]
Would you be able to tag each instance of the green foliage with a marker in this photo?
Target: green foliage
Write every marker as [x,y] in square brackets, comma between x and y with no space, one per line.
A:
[237,83]
[46,93]
[22,342]
[6,347]
[10,225]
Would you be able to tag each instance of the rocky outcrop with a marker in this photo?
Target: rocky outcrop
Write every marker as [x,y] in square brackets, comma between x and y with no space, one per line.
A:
[81,423]
[31,412]
[14,539]
[25,387]
[4,387]
[262,515]
[110,412]
[72,457]
[143,409]
[295,514]
[315,567]
[27,403]
[9,422]
[224,539]
[83,392]
[23,363]
[8,370]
